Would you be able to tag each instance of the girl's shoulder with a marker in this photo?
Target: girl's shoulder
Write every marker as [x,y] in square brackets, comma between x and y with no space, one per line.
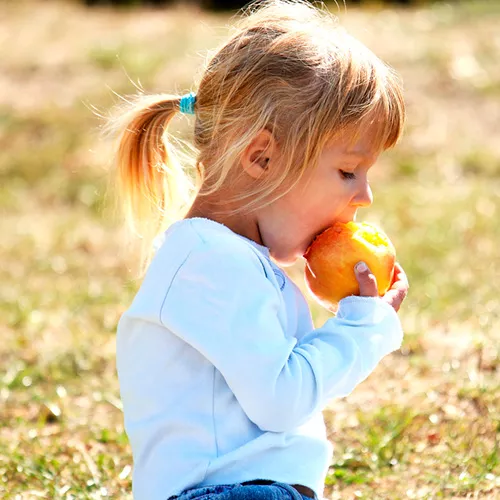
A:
[202,256]
[197,257]
[190,238]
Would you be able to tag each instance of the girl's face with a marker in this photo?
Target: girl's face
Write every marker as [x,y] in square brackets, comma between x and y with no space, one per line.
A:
[331,192]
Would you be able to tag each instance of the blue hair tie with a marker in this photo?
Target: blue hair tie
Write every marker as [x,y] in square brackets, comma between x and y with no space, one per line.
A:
[187,103]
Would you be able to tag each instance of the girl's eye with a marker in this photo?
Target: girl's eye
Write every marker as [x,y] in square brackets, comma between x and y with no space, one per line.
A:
[347,175]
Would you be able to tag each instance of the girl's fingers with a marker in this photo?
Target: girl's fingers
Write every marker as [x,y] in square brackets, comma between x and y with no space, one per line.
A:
[368,284]
[399,288]
[401,280]
[394,297]
[398,274]
[366,280]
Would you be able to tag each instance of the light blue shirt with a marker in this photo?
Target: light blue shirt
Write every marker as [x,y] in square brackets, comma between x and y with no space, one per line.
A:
[222,375]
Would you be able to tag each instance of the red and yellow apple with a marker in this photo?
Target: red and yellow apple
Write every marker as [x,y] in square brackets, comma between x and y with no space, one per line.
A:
[331,257]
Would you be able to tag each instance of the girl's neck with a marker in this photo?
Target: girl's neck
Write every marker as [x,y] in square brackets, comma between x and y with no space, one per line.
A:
[244,225]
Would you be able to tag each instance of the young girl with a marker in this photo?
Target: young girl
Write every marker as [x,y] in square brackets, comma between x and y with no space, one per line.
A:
[222,374]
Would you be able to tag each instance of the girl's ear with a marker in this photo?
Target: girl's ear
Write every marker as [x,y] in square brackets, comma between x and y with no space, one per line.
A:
[258,156]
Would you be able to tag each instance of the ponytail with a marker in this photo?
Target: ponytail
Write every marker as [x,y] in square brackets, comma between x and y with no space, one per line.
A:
[152,187]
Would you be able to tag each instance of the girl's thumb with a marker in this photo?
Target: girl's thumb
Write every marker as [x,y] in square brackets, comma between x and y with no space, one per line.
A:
[366,280]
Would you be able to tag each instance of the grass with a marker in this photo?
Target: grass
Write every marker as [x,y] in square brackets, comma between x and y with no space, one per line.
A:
[425,424]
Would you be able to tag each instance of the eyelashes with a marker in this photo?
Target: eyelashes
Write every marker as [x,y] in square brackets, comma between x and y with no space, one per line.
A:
[347,175]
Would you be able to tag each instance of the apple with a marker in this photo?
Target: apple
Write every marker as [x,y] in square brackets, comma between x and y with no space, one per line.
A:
[331,257]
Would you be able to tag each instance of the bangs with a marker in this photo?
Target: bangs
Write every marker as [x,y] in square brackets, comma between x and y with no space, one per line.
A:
[374,103]
[389,113]
[384,120]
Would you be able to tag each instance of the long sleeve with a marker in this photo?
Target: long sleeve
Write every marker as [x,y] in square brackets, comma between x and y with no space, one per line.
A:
[222,304]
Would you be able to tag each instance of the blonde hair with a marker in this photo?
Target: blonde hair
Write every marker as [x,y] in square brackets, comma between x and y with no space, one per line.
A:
[288,68]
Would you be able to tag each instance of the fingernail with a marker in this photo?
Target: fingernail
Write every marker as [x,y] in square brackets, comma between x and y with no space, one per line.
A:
[361,267]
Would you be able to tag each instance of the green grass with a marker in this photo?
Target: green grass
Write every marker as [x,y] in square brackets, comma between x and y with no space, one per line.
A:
[425,424]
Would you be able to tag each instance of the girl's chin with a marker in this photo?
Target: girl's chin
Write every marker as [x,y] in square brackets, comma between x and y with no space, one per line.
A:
[287,258]
[288,262]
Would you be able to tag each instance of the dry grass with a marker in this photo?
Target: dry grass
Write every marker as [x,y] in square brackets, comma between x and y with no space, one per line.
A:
[424,425]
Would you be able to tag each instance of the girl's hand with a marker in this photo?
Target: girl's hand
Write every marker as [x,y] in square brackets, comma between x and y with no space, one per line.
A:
[368,285]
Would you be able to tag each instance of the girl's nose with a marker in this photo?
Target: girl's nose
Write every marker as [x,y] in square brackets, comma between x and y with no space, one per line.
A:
[364,198]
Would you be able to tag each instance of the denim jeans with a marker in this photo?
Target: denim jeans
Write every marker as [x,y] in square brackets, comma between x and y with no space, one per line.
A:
[275,491]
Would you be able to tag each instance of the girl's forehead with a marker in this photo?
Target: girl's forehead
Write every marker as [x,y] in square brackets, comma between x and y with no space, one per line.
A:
[363,139]
[355,147]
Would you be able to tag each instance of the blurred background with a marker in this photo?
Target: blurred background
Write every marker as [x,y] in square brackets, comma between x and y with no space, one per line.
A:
[429,413]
